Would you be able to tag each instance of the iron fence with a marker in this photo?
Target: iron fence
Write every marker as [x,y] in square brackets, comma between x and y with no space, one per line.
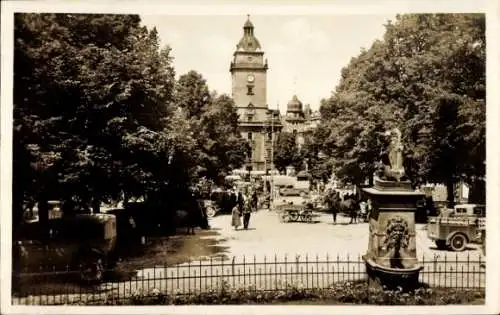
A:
[269,274]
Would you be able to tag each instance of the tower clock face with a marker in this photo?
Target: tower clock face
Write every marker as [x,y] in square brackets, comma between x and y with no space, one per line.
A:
[250,78]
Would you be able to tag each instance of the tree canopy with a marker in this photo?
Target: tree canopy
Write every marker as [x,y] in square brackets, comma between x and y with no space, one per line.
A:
[426,77]
[99,116]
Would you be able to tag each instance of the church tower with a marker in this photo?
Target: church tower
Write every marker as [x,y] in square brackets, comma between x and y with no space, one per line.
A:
[249,91]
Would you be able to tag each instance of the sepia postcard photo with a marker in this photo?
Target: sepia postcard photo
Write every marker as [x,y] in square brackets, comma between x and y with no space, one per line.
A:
[250,158]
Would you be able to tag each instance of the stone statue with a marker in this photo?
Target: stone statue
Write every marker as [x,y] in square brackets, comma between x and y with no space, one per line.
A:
[396,150]
[392,166]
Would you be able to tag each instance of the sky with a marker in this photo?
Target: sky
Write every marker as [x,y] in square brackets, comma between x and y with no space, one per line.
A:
[305,53]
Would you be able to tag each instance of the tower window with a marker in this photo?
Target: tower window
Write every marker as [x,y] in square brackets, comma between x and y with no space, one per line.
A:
[250,90]
[249,136]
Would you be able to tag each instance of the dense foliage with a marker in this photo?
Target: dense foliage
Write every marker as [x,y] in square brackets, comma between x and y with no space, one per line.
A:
[213,121]
[99,116]
[287,152]
[426,77]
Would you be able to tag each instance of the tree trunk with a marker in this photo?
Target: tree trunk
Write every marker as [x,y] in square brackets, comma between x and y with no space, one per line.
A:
[370,180]
[477,192]
[126,198]
[96,204]
[450,189]
[43,216]
[17,216]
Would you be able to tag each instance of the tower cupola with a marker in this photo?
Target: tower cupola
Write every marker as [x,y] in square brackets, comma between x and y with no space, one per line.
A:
[248,42]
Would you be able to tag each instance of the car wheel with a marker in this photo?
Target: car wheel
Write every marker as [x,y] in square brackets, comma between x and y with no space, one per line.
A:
[211,212]
[91,269]
[458,242]
[441,244]
[294,216]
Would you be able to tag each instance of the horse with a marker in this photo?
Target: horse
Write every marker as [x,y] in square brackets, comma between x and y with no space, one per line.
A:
[348,206]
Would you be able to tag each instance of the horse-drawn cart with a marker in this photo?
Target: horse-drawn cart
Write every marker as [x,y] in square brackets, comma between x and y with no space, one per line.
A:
[295,213]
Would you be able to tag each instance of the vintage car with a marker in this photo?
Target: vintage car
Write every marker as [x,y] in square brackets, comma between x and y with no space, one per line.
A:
[210,207]
[81,244]
[457,227]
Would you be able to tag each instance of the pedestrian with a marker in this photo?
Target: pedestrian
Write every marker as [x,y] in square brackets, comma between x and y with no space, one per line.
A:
[247,211]
[255,200]
[363,210]
[334,205]
[235,217]
[240,201]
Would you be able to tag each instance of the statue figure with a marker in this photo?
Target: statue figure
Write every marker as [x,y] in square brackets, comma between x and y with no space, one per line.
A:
[396,150]
[391,167]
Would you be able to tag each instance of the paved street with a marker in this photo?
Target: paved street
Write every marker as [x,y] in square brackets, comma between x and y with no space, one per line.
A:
[267,236]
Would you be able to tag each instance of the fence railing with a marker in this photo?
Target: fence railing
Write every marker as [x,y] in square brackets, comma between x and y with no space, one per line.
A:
[269,274]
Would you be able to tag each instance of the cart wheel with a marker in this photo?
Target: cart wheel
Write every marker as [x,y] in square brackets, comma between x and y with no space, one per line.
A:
[458,242]
[441,244]
[294,216]
[307,218]
[211,212]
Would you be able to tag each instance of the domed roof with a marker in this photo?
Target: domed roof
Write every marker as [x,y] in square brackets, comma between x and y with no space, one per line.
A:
[294,106]
[248,23]
[248,42]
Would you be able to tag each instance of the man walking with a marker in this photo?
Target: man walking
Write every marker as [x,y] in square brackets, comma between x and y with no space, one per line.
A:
[333,200]
[247,211]
[255,199]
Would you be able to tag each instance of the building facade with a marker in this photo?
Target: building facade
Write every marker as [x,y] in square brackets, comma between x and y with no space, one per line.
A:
[256,122]
[299,120]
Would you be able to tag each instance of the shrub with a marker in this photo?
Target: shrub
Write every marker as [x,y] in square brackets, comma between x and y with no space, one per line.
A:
[340,293]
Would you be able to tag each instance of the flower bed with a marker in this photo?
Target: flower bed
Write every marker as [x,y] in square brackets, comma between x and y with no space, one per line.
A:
[343,293]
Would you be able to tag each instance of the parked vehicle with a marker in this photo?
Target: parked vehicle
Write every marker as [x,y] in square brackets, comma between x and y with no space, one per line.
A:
[82,244]
[210,207]
[293,205]
[457,227]
[293,213]
[290,195]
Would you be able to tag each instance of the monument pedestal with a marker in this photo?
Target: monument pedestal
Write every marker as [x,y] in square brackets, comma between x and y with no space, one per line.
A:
[391,258]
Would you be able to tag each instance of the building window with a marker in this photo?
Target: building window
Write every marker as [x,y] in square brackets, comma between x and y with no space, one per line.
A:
[250,90]
[249,117]
[249,136]
[269,136]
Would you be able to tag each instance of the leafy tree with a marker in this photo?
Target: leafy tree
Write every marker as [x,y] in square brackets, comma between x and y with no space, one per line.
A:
[213,121]
[287,153]
[92,104]
[427,78]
